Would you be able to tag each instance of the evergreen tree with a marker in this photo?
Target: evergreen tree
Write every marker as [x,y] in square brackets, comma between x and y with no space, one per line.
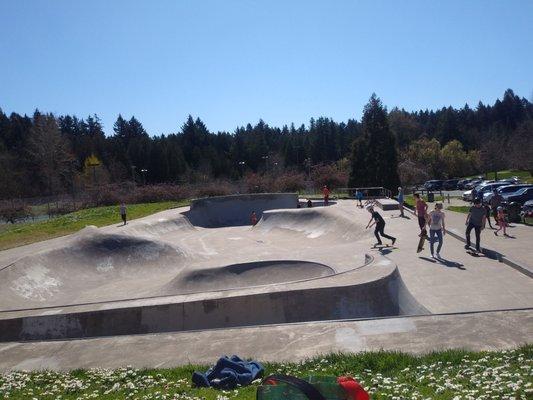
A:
[374,156]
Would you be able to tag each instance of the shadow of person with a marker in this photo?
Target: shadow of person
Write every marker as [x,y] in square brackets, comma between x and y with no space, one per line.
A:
[509,236]
[384,251]
[431,260]
[451,264]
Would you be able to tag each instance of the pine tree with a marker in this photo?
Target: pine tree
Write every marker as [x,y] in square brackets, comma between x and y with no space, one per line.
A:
[374,155]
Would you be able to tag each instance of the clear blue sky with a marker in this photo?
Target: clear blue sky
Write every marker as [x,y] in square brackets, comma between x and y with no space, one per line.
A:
[233,62]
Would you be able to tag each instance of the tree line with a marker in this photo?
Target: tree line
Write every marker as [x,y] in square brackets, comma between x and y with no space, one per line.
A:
[49,154]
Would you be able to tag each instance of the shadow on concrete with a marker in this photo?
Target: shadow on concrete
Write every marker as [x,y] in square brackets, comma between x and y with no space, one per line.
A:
[451,264]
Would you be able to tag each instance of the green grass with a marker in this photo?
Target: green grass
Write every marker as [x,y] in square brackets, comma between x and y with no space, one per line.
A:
[410,200]
[524,176]
[453,374]
[21,234]
[461,209]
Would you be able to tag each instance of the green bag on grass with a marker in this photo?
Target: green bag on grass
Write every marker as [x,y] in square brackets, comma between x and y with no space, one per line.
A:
[284,387]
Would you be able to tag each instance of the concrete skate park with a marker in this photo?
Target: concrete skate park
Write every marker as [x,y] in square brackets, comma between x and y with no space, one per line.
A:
[189,284]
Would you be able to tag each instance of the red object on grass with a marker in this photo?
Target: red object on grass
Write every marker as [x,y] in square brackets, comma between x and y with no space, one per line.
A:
[353,388]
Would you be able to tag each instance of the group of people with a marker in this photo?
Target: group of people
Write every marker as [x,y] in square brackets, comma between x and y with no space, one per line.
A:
[435,220]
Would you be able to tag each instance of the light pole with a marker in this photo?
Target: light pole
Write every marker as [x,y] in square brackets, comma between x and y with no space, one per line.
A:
[143,172]
[266,162]
[133,173]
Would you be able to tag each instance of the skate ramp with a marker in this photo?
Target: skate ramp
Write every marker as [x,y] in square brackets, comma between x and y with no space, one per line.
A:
[216,212]
[160,227]
[95,267]
[247,275]
[314,223]
[338,296]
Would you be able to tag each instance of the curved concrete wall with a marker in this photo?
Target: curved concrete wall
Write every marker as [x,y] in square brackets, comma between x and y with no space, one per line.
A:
[213,212]
[383,297]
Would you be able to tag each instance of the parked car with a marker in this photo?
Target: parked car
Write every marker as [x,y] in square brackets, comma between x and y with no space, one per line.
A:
[467,196]
[461,184]
[450,184]
[480,190]
[473,183]
[520,196]
[434,184]
[505,189]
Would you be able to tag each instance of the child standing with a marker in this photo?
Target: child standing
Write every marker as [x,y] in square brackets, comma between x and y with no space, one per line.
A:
[501,221]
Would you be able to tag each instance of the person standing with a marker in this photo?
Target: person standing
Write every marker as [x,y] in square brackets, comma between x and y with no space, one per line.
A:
[487,213]
[378,220]
[359,197]
[495,202]
[325,192]
[476,220]
[253,218]
[123,212]
[437,228]
[400,201]
[421,209]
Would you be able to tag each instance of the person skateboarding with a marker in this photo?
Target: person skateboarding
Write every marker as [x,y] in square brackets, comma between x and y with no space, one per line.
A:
[437,228]
[123,212]
[325,192]
[421,208]
[378,220]
[476,220]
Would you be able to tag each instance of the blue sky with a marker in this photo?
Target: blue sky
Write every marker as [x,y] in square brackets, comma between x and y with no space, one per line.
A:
[233,62]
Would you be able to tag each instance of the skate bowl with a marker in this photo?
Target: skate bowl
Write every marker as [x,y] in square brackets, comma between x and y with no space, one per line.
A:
[164,274]
[248,275]
[381,293]
[235,210]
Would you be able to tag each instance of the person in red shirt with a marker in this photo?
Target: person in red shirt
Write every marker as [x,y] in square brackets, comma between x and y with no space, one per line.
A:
[325,191]
[253,218]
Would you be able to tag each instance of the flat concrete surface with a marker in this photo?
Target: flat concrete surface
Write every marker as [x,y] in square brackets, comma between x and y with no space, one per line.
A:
[149,261]
[293,342]
[516,247]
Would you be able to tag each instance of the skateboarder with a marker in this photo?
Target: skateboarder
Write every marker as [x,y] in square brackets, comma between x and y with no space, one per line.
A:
[400,201]
[123,212]
[421,212]
[378,220]
[436,228]
[325,191]
[476,220]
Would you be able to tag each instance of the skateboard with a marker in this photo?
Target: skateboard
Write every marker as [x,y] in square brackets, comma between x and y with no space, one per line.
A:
[423,237]
[382,246]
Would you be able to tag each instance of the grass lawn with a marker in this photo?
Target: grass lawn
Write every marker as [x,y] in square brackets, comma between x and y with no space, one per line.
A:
[525,176]
[20,234]
[410,200]
[453,374]
[461,209]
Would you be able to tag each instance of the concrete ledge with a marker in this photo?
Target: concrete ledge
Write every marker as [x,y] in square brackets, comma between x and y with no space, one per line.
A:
[387,204]
[386,296]
[490,330]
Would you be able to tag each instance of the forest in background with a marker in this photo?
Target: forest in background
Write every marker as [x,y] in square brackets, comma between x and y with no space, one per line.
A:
[45,154]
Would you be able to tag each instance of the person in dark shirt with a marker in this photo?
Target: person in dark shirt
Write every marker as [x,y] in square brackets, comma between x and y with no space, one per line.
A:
[378,220]
[476,219]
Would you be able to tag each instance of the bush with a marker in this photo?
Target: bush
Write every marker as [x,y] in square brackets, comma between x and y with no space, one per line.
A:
[12,212]
[289,182]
